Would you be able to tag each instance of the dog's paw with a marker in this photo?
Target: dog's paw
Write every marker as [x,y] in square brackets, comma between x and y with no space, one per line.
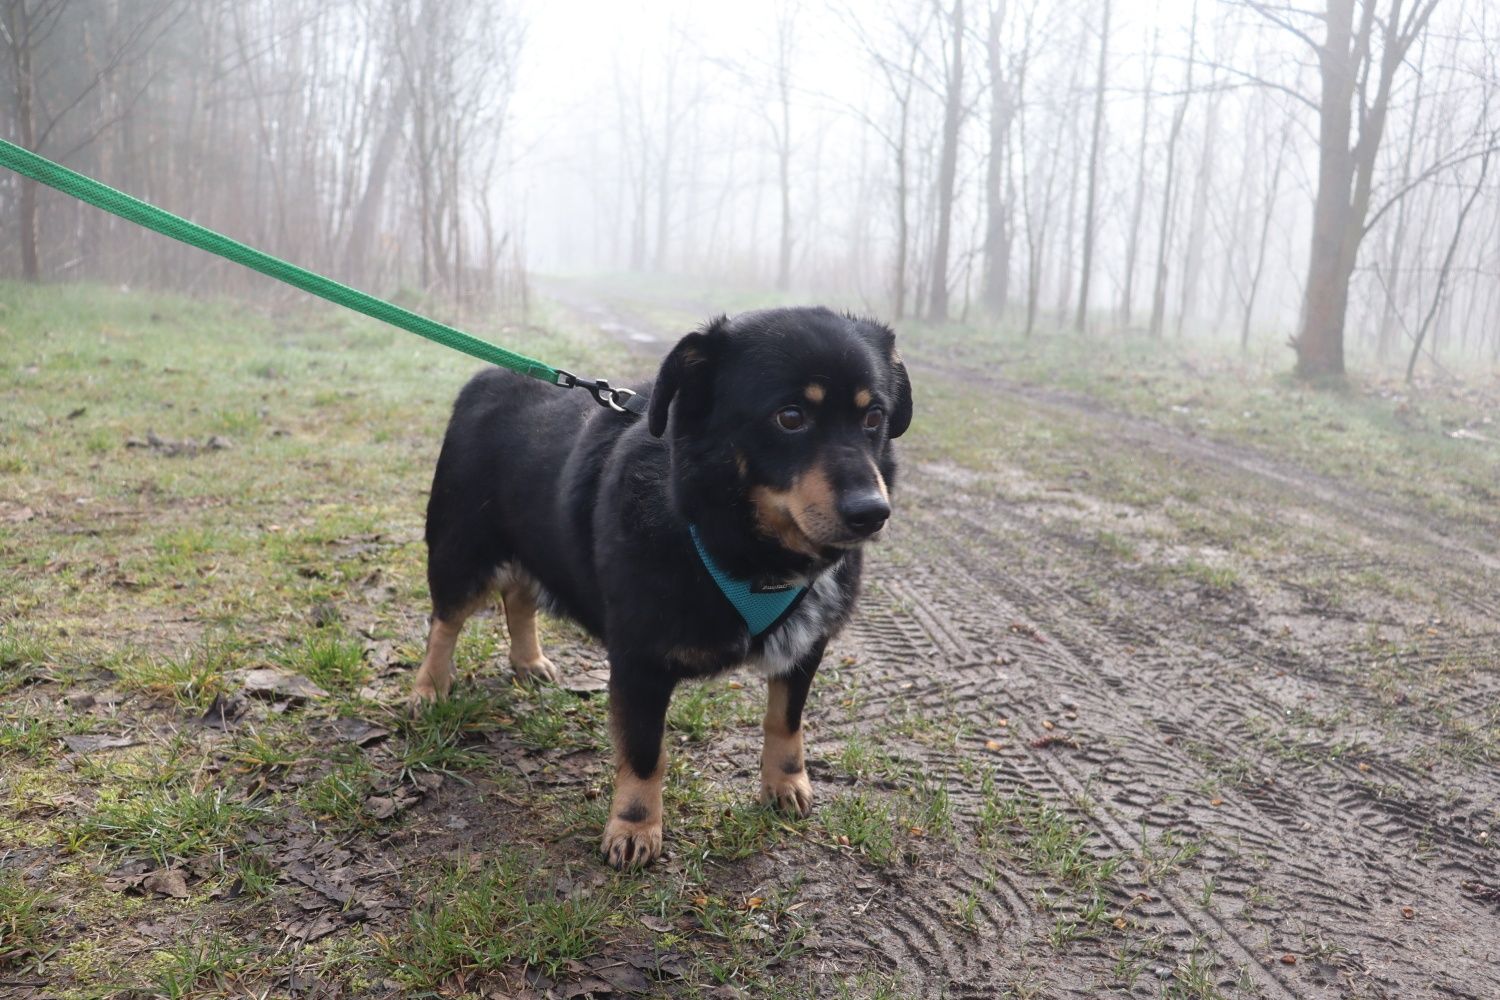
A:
[631,843]
[789,793]
[430,686]
[540,671]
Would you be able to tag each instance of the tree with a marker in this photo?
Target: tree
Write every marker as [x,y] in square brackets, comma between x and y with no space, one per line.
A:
[1093,182]
[998,208]
[1357,68]
[1164,230]
[953,112]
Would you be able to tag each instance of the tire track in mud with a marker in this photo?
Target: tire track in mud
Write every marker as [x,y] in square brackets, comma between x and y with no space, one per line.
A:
[1070,652]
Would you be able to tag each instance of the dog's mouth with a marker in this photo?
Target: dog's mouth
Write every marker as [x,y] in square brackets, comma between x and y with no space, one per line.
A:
[808,529]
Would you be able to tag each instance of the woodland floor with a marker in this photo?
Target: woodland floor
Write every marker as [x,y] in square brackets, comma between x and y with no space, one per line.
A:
[1172,679]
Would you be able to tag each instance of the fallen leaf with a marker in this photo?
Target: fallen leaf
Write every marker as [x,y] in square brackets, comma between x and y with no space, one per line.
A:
[380,806]
[88,743]
[166,882]
[656,924]
[359,732]
[223,711]
[754,902]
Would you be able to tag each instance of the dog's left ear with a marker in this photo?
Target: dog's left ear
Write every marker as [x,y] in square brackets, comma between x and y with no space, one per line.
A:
[884,340]
[687,375]
[901,387]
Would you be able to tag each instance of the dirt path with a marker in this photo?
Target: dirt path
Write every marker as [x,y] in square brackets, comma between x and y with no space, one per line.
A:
[1295,766]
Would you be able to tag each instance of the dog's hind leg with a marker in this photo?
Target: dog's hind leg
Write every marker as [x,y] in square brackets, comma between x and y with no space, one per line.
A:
[461,584]
[437,673]
[519,595]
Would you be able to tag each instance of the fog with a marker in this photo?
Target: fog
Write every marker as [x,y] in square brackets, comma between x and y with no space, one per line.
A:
[1163,167]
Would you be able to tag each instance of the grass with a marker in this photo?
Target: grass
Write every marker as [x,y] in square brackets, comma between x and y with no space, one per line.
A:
[25,920]
[330,660]
[167,824]
[474,920]
[336,800]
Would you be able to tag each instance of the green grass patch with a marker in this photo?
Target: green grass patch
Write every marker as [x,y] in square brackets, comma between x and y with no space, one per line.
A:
[26,916]
[498,915]
[166,823]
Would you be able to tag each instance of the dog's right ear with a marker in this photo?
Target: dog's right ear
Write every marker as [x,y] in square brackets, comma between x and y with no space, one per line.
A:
[687,376]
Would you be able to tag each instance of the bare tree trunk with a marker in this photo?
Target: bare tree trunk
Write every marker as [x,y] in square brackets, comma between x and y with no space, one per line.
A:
[1192,260]
[362,229]
[1164,231]
[1080,318]
[1268,211]
[785,39]
[18,30]
[1458,230]
[1138,202]
[997,231]
[937,304]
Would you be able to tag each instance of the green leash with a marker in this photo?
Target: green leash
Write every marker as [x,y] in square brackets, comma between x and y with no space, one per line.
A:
[92,192]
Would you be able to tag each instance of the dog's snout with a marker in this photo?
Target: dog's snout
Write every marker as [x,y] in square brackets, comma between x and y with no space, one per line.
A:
[865,513]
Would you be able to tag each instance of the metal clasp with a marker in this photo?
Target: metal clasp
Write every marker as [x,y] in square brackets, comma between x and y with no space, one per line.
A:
[604,394]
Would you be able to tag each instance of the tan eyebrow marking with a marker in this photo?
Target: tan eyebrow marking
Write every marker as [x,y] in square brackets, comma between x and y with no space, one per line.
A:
[862,398]
[814,392]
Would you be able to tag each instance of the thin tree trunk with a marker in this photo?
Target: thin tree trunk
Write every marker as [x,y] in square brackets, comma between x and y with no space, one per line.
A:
[1164,231]
[1265,233]
[937,304]
[997,231]
[1138,203]
[19,30]
[1458,230]
[1080,318]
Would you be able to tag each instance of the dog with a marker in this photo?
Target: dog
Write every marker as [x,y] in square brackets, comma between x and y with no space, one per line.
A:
[725,529]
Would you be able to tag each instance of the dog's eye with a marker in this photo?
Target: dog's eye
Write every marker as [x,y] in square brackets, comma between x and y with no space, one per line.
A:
[791,418]
[874,417]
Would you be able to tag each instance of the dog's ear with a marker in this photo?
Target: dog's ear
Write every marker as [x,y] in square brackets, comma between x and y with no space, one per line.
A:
[686,375]
[901,388]
[883,338]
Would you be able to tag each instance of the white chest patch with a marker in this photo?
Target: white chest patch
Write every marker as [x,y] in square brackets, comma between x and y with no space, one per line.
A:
[792,639]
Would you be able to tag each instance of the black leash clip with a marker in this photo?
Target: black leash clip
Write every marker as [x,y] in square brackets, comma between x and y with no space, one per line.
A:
[617,399]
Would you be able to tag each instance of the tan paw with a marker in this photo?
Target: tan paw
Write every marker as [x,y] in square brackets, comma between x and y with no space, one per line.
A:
[789,793]
[431,685]
[631,843]
[540,671]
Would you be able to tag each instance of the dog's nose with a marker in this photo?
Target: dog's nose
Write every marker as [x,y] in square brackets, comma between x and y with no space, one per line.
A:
[864,513]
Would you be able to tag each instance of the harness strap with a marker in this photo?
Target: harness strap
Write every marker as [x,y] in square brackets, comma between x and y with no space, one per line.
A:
[762,608]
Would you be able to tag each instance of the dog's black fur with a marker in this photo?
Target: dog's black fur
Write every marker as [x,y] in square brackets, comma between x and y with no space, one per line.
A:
[594,507]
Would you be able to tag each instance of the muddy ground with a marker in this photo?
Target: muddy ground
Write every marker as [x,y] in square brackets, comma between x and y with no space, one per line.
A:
[1136,705]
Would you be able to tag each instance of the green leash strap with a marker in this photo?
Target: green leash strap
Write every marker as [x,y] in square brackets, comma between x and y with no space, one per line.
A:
[86,189]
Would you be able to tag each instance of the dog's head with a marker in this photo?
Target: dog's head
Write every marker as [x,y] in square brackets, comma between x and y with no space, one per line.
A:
[791,412]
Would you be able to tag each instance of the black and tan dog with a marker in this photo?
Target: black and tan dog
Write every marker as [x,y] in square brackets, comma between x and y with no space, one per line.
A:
[736,540]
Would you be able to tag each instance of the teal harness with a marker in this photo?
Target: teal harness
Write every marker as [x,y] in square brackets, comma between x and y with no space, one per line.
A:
[761,607]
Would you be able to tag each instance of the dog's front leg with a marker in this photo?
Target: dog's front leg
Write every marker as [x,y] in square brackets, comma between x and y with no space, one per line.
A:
[638,699]
[783,770]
